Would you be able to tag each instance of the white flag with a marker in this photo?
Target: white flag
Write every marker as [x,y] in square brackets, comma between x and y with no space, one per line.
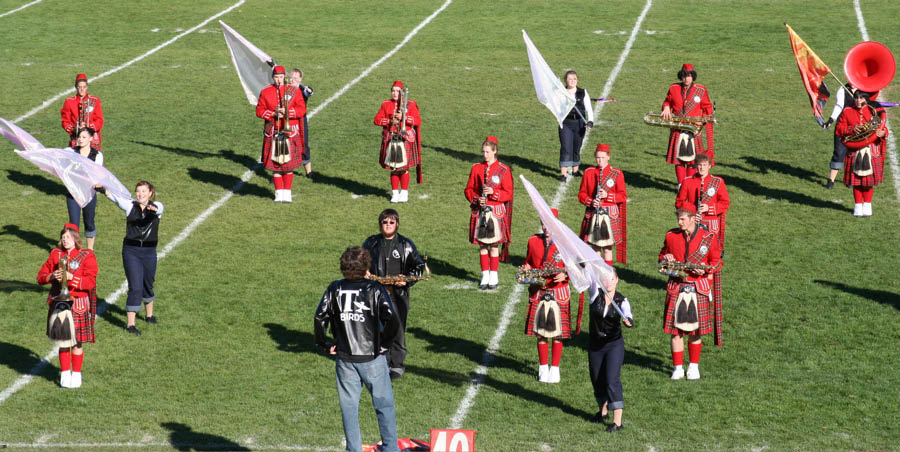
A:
[250,62]
[78,173]
[550,91]
[18,137]
[585,267]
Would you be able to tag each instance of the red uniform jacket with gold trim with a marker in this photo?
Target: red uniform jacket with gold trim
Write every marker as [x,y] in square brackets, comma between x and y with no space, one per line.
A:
[695,186]
[69,113]
[268,103]
[536,259]
[84,278]
[850,118]
[688,249]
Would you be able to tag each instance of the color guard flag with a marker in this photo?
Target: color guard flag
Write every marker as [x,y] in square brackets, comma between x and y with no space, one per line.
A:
[550,91]
[813,71]
[18,137]
[78,173]
[251,63]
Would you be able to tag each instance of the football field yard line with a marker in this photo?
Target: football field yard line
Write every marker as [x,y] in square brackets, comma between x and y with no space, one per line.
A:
[55,98]
[481,371]
[891,141]
[111,299]
[20,8]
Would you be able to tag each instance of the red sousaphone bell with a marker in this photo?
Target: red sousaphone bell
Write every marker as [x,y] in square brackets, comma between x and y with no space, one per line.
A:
[870,66]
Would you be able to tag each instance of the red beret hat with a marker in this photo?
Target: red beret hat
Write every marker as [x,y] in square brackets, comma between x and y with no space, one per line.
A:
[555,212]
[603,148]
[491,138]
[687,67]
[71,226]
[397,84]
[278,70]
[80,77]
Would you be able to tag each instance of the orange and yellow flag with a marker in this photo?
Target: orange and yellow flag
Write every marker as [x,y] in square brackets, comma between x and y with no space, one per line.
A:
[812,70]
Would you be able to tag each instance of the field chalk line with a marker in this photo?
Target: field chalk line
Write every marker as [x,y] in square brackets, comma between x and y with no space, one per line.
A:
[111,299]
[892,142]
[20,8]
[481,371]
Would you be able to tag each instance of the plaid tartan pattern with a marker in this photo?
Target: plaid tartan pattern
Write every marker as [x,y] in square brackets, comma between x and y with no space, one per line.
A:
[704,311]
[562,296]
[297,148]
[698,255]
[84,323]
[618,222]
[703,144]
[851,179]
[503,211]
[500,213]
[413,155]
[716,225]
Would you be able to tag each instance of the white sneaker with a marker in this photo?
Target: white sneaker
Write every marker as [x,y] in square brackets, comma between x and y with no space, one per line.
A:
[544,373]
[693,372]
[287,196]
[857,210]
[678,373]
[75,382]
[485,277]
[494,279]
[404,196]
[867,209]
[554,375]
[395,195]
[65,378]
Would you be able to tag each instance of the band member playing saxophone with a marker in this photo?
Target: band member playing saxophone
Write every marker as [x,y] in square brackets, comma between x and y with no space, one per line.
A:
[401,126]
[80,111]
[393,254]
[863,129]
[604,193]
[490,194]
[282,108]
[708,195]
[690,99]
[693,302]
[551,324]
[72,271]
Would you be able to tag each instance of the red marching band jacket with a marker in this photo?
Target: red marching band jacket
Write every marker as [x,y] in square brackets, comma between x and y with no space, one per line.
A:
[500,179]
[413,120]
[616,200]
[91,113]
[851,117]
[268,103]
[692,102]
[710,190]
[536,258]
[84,277]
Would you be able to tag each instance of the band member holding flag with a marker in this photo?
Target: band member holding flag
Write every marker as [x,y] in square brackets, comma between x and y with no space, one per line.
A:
[282,108]
[864,163]
[490,194]
[708,196]
[688,99]
[574,126]
[603,192]
[80,276]
[606,351]
[693,304]
[83,146]
[542,254]
[80,111]
[390,118]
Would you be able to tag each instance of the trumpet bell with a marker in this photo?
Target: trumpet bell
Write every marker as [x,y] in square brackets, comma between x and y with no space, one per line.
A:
[869,66]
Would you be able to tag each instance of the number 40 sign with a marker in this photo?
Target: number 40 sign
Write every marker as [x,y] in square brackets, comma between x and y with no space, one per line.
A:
[452,440]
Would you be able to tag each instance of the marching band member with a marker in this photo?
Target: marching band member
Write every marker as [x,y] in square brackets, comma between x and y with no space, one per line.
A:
[83,146]
[80,111]
[708,195]
[280,102]
[693,305]
[687,98]
[139,249]
[297,83]
[490,193]
[840,149]
[542,254]
[81,280]
[603,191]
[389,117]
[606,351]
[864,164]
[574,127]
[394,254]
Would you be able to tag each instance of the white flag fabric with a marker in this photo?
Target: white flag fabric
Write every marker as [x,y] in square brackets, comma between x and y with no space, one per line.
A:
[550,91]
[585,267]
[78,173]
[250,62]
[18,137]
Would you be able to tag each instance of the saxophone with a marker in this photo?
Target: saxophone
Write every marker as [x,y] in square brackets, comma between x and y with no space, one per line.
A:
[680,269]
[685,123]
[537,275]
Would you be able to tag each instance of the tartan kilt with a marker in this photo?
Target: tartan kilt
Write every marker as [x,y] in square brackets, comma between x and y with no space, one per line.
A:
[716,225]
[852,180]
[500,213]
[704,311]
[703,144]
[562,296]
[297,149]
[84,323]
[413,157]
[618,222]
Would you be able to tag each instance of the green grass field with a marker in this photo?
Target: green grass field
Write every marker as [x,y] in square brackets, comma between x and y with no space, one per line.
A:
[811,299]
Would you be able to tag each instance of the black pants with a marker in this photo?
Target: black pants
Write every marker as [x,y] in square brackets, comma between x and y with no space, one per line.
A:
[606,370]
[397,353]
[140,271]
[305,157]
[840,151]
[571,135]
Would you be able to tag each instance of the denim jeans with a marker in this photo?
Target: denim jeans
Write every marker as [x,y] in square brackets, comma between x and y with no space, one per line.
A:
[374,375]
[140,271]
[75,211]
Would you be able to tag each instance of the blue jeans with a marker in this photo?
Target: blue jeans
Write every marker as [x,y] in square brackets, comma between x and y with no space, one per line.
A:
[140,271]
[350,379]
[75,211]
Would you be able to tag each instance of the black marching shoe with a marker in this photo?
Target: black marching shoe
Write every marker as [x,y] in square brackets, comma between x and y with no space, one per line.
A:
[599,418]
[829,185]
[133,330]
[152,319]
[614,428]
[561,178]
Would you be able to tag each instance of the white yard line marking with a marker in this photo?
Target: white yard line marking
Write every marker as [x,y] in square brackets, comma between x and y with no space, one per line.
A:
[891,141]
[20,8]
[180,446]
[481,371]
[111,299]
[69,91]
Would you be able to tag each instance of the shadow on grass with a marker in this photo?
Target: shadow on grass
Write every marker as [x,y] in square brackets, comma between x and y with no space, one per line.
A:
[34,238]
[511,160]
[227,154]
[473,351]
[444,268]
[641,180]
[228,182]
[351,186]
[634,356]
[112,314]
[22,361]
[289,340]
[765,166]
[182,437]
[647,282]
[10,286]
[880,296]
[458,379]
[756,189]
[39,182]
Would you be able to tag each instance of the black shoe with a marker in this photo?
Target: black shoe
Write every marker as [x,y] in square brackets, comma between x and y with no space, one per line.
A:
[600,418]
[578,173]
[310,175]
[395,375]
[562,178]
[829,185]
[133,330]
[614,428]
[151,319]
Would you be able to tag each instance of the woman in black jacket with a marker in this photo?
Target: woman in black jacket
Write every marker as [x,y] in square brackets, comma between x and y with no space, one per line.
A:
[606,351]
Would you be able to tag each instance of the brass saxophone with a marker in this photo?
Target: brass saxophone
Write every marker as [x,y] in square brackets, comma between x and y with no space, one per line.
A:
[868,129]
[685,123]
[537,275]
[63,294]
[390,280]
[680,269]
